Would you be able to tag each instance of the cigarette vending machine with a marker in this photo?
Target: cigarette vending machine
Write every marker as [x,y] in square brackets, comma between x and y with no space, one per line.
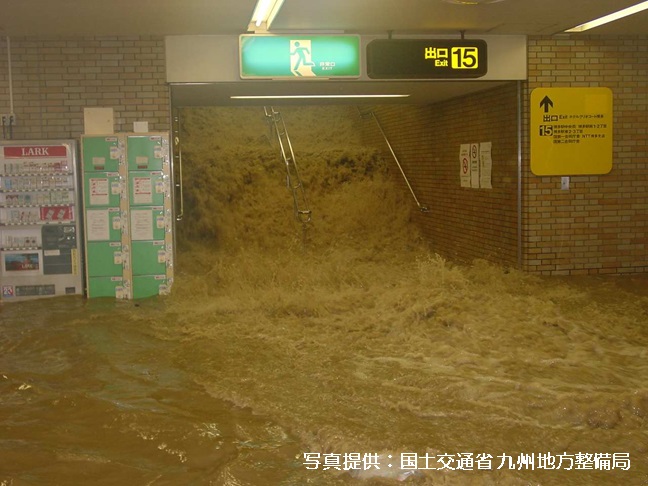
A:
[40,242]
[128,215]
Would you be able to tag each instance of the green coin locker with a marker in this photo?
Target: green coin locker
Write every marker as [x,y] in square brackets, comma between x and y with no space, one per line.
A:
[146,152]
[149,286]
[101,189]
[146,188]
[128,215]
[106,287]
[101,154]
[149,258]
[106,259]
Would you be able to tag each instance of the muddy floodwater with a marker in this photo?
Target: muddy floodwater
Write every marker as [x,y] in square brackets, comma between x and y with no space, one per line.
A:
[291,354]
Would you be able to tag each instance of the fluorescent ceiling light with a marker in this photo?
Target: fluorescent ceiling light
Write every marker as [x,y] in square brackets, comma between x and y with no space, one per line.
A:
[264,13]
[297,97]
[610,18]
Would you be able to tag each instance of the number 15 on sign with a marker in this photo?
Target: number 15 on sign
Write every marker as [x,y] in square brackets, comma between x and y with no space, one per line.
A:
[464,58]
[545,131]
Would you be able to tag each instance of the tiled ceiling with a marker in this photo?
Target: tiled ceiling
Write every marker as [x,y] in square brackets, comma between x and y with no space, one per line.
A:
[39,18]
[231,17]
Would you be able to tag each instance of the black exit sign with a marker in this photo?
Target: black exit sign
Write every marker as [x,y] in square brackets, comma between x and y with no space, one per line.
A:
[426,59]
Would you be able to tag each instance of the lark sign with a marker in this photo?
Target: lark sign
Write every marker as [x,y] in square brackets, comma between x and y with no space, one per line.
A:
[571,131]
[14,152]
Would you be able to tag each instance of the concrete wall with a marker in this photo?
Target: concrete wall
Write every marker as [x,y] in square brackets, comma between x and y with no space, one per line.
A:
[55,78]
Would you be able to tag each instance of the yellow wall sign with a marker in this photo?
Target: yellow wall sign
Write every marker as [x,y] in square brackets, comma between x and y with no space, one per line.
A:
[571,131]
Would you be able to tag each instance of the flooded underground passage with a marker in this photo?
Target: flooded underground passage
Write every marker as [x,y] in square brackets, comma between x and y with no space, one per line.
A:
[340,348]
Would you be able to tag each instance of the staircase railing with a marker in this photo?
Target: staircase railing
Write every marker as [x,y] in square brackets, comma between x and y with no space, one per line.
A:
[300,204]
[421,208]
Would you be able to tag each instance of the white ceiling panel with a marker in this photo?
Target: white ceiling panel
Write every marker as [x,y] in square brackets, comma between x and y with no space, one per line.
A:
[213,17]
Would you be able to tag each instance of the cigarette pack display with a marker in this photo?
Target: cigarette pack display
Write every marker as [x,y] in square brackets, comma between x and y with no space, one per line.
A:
[39,250]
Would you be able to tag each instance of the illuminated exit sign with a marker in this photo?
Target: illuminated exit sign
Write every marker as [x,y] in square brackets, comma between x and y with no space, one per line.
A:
[299,56]
[426,59]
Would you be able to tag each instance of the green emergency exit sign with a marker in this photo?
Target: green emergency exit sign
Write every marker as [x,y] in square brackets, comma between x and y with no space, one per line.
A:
[299,56]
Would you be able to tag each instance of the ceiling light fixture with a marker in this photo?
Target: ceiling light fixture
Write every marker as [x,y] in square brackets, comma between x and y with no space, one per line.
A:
[610,18]
[299,97]
[264,13]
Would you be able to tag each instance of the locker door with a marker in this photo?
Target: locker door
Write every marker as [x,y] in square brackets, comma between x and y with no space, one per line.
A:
[149,286]
[149,258]
[106,287]
[101,154]
[147,188]
[147,223]
[106,259]
[103,224]
[102,189]
[146,152]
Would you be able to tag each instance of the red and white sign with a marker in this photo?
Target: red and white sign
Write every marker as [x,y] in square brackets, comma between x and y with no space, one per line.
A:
[34,151]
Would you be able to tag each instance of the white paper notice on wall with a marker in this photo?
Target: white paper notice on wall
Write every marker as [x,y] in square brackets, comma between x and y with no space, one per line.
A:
[98,191]
[474,165]
[142,224]
[98,224]
[485,165]
[464,164]
[142,190]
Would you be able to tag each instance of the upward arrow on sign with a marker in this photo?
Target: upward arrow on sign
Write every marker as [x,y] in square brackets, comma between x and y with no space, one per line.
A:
[546,102]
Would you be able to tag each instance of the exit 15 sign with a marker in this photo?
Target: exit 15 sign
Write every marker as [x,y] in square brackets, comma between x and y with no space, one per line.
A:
[426,58]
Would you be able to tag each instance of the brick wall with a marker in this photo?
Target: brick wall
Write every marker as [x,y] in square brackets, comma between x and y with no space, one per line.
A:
[55,78]
[600,225]
[461,223]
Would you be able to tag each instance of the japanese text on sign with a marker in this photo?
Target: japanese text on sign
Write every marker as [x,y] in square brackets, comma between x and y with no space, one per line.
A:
[431,58]
[469,461]
[571,131]
[461,57]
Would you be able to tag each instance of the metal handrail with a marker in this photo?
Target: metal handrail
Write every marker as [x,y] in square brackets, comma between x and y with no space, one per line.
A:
[293,181]
[178,147]
[423,209]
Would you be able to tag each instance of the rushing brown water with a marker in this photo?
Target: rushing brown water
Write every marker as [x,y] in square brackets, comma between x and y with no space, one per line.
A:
[90,398]
[286,358]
